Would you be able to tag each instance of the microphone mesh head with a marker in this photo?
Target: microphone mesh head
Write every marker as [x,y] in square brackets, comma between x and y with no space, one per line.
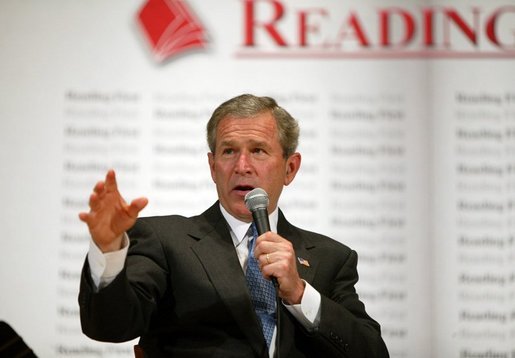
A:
[256,199]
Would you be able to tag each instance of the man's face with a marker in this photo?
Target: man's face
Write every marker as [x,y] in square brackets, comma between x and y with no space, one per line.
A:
[248,155]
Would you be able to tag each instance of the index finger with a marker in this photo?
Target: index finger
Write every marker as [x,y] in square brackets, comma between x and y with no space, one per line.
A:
[269,242]
[110,182]
[270,237]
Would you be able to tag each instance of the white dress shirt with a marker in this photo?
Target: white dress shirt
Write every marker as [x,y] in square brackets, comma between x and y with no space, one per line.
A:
[104,268]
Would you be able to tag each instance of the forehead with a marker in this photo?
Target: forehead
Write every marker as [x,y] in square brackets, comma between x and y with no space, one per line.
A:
[261,127]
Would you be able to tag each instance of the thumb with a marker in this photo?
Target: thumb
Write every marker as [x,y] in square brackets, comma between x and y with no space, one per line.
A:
[136,206]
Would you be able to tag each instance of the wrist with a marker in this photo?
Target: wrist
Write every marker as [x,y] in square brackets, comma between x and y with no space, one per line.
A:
[115,245]
[295,297]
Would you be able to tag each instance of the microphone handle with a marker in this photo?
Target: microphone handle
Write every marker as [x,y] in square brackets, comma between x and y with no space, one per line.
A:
[262,223]
[261,220]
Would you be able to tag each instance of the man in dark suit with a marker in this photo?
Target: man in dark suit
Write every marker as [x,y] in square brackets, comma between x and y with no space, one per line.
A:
[180,283]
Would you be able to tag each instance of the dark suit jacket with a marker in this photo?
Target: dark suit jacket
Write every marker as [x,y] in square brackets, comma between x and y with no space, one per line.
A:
[184,293]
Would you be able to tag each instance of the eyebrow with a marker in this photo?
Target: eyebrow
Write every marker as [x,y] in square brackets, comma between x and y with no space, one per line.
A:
[230,143]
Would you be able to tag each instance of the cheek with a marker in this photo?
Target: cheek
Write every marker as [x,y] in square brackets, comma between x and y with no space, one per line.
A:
[221,171]
[213,171]
[276,180]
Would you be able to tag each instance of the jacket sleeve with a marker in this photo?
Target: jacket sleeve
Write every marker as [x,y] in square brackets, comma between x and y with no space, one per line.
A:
[345,329]
[122,310]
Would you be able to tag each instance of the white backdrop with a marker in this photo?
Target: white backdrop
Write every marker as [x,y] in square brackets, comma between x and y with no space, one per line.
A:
[408,152]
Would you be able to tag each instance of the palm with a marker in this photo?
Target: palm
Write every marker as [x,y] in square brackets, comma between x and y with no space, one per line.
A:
[110,216]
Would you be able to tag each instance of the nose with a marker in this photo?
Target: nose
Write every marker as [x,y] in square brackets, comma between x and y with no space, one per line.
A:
[243,165]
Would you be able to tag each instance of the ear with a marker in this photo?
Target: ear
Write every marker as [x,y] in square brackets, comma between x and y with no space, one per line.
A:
[292,167]
[211,160]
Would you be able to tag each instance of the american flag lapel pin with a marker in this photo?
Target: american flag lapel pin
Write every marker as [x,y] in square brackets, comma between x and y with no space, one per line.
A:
[303,262]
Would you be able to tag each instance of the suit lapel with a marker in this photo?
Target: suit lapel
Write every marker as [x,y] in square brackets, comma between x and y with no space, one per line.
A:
[306,262]
[216,251]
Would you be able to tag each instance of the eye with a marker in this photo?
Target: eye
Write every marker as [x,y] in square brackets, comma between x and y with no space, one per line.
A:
[227,151]
[258,150]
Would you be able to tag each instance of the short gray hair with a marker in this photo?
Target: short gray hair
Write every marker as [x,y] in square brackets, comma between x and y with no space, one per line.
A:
[246,106]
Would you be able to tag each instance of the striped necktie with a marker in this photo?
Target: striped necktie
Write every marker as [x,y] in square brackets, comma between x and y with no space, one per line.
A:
[262,292]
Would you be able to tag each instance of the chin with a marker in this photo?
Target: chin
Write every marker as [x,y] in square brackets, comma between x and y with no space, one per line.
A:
[243,214]
[239,211]
[247,217]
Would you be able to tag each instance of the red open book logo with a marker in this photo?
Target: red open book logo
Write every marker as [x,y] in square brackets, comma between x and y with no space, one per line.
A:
[171,28]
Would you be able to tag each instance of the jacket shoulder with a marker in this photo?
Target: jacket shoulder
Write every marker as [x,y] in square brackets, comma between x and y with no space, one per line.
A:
[321,241]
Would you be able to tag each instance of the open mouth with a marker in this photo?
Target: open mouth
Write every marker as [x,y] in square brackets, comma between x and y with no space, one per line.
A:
[243,188]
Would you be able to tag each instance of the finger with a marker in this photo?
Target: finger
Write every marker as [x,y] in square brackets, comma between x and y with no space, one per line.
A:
[84,217]
[110,182]
[264,259]
[99,188]
[265,247]
[271,258]
[269,242]
[136,206]
[279,266]
[275,269]
[270,236]
[94,202]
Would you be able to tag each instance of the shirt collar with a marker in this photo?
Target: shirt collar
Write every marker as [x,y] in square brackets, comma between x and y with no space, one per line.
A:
[240,228]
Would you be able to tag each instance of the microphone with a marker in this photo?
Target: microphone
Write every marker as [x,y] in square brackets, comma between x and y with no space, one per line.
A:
[256,201]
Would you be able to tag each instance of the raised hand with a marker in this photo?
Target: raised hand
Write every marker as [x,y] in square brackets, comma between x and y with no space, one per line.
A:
[110,216]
